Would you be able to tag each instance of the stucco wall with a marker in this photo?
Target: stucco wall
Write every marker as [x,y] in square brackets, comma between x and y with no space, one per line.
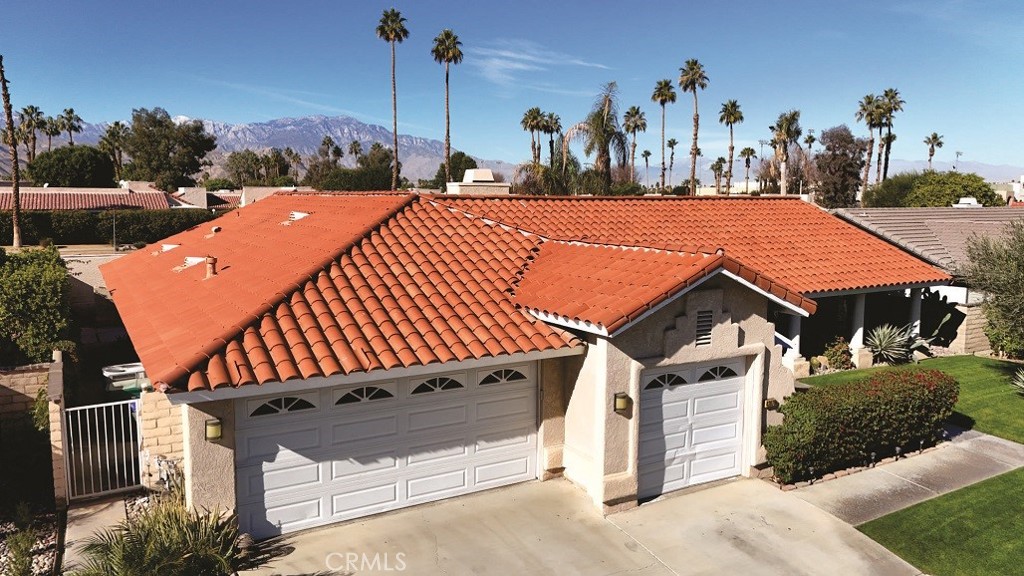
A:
[583,453]
[210,465]
[551,433]
[161,435]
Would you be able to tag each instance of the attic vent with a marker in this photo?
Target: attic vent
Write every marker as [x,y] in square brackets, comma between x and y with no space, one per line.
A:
[293,216]
[704,324]
[168,247]
[189,262]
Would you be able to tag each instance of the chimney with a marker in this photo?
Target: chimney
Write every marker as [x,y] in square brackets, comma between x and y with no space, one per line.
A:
[211,267]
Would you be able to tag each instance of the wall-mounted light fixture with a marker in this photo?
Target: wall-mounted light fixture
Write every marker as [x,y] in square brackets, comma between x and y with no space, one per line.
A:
[214,429]
[621,402]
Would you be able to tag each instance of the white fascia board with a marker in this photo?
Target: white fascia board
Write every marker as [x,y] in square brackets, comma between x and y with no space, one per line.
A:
[250,390]
[788,305]
[567,322]
[893,288]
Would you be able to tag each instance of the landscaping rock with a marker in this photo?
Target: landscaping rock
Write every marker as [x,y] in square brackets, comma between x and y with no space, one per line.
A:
[45,550]
[788,487]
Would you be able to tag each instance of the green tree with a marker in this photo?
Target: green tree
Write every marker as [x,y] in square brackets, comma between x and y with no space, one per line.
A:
[215,184]
[785,132]
[73,166]
[838,168]
[51,127]
[447,50]
[871,110]
[531,122]
[169,154]
[245,167]
[672,143]
[355,149]
[31,118]
[34,313]
[392,30]
[633,121]
[996,267]
[730,115]
[747,154]
[460,162]
[15,166]
[663,94]
[893,104]
[946,188]
[71,123]
[647,166]
[809,140]
[893,192]
[717,167]
[602,135]
[933,141]
[692,77]
[112,142]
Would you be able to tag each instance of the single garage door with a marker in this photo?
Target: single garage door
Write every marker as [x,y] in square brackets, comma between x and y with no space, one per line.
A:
[309,459]
[691,425]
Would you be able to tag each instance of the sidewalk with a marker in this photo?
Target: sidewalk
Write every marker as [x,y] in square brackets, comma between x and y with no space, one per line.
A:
[86,519]
[968,458]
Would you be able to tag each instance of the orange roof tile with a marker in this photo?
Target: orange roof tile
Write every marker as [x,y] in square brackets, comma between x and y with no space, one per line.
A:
[791,241]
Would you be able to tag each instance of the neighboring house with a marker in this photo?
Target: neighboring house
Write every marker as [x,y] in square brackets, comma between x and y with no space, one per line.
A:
[198,197]
[348,354]
[940,236]
[38,198]
[252,194]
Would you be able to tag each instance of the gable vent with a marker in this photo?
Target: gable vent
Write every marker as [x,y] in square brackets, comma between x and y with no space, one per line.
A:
[294,216]
[704,324]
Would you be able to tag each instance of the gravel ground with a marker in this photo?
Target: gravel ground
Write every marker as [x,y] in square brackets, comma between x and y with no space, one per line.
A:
[45,551]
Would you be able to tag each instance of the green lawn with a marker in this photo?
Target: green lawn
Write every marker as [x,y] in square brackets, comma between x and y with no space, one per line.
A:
[987,401]
[975,530]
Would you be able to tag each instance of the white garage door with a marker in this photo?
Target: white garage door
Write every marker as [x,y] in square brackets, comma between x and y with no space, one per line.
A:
[309,459]
[690,425]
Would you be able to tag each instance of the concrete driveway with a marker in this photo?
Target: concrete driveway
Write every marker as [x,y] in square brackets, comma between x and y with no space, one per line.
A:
[741,526]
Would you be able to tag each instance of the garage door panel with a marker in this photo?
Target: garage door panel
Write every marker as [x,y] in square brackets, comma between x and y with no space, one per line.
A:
[655,406]
[352,429]
[364,500]
[499,473]
[716,434]
[515,407]
[518,437]
[714,466]
[446,449]
[432,417]
[438,485]
[294,515]
[272,445]
[369,463]
[716,403]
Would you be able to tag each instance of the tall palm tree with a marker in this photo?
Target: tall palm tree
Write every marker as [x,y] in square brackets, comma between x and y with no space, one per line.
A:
[933,141]
[633,121]
[295,160]
[717,167]
[672,143]
[51,127]
[785,131]
[552,124]
[602,135]
[692,77]
[810,140]
[447,50]
[112,142]
[663,94]
[32,120]
[71,123]
[392,30]
[15,168]
[646,155]
[747,154]
[871,111]
[730,115]
[355,149]
[531,122]
[894,103]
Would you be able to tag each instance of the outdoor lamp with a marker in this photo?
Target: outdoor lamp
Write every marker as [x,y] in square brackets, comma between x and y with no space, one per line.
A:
[621,403]
[213,429]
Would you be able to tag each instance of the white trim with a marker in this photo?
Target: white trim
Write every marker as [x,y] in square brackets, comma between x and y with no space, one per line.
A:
[893,288]
[567,322]
[794,308]
[296,386]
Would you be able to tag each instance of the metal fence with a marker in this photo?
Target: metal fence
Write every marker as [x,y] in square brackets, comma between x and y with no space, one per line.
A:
[101,448]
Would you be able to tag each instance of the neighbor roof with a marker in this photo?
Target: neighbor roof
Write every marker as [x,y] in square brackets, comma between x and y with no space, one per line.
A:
[788,240]
[938,235]
[85,199]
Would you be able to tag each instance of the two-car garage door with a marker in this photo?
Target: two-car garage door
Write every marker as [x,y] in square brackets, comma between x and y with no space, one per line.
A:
[313,458]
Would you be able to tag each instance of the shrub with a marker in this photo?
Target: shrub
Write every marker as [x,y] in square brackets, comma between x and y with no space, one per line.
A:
[1018,381]
[34,311]
[84,227]
[838,354]
[19,546]
[832,427]
[889,344]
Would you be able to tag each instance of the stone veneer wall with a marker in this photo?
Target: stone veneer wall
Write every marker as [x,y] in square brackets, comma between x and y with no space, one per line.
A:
[971,338]
[161,435]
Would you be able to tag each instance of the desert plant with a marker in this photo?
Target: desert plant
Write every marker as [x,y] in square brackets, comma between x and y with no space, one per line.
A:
[838,354]
[21,542]
[1018,381]
[889,344]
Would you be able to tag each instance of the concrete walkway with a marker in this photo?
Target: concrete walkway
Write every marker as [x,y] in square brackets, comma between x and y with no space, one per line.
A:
[86,519]
[970,457]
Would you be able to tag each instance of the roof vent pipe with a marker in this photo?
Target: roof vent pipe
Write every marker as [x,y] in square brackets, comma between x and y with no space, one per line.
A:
[211,267]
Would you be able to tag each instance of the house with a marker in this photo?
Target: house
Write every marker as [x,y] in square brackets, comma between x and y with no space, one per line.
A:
[124,198]
[321,357]
[199,197]
[939,236]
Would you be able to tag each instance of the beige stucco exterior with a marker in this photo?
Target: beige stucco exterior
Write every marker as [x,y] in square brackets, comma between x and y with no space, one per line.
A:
[209,465]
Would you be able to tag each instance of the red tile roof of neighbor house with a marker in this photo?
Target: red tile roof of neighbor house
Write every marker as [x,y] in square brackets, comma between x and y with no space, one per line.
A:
[376,281]
[85,199]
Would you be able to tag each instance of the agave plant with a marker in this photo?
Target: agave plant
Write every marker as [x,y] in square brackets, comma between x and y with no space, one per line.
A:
[889,344]
[1018,381]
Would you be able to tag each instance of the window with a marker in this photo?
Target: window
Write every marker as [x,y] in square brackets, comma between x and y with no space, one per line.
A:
[364,394]
[283,404]
[436,385]
[717,373]
[503,377]
[665,381]
[705,320]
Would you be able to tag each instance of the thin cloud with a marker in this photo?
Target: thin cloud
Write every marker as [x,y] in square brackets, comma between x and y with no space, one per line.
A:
[512,64]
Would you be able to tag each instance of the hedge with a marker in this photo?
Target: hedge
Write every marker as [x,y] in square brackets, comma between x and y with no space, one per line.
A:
[85,227]
[832,427]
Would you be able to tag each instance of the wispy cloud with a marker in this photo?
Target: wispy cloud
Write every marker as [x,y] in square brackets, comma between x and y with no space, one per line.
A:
[515,64]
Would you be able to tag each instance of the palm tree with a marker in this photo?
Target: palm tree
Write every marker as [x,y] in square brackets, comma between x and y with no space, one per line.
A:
[15,168]
[672,143]
[934,141]
[51,127]
[894,103]
[646,155]
[32,120]
[747,154]
[663,94]
[633,121]
[730,115]
[392,30]
[692,77]
[531,122]
[70,123]
[785,131]
[717,167]
[602,135]
[112,142]
[871,111]
[551,125]
[295,160]
[810,140]
[447,50]
[355,149]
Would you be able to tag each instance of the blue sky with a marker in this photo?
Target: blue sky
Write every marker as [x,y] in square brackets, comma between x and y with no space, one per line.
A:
[958,65]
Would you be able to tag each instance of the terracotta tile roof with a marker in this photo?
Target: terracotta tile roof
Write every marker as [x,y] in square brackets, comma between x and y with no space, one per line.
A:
[795,243]
[85,199]
[363,283]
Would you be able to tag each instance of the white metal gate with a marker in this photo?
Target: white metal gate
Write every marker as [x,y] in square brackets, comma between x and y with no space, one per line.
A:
[101,448]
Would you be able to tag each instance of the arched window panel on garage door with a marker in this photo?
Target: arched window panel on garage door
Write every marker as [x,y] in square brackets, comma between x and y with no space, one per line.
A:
[438,384]
[282,405]
[716,373]
[364,394]
[665,381]
[503,376]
